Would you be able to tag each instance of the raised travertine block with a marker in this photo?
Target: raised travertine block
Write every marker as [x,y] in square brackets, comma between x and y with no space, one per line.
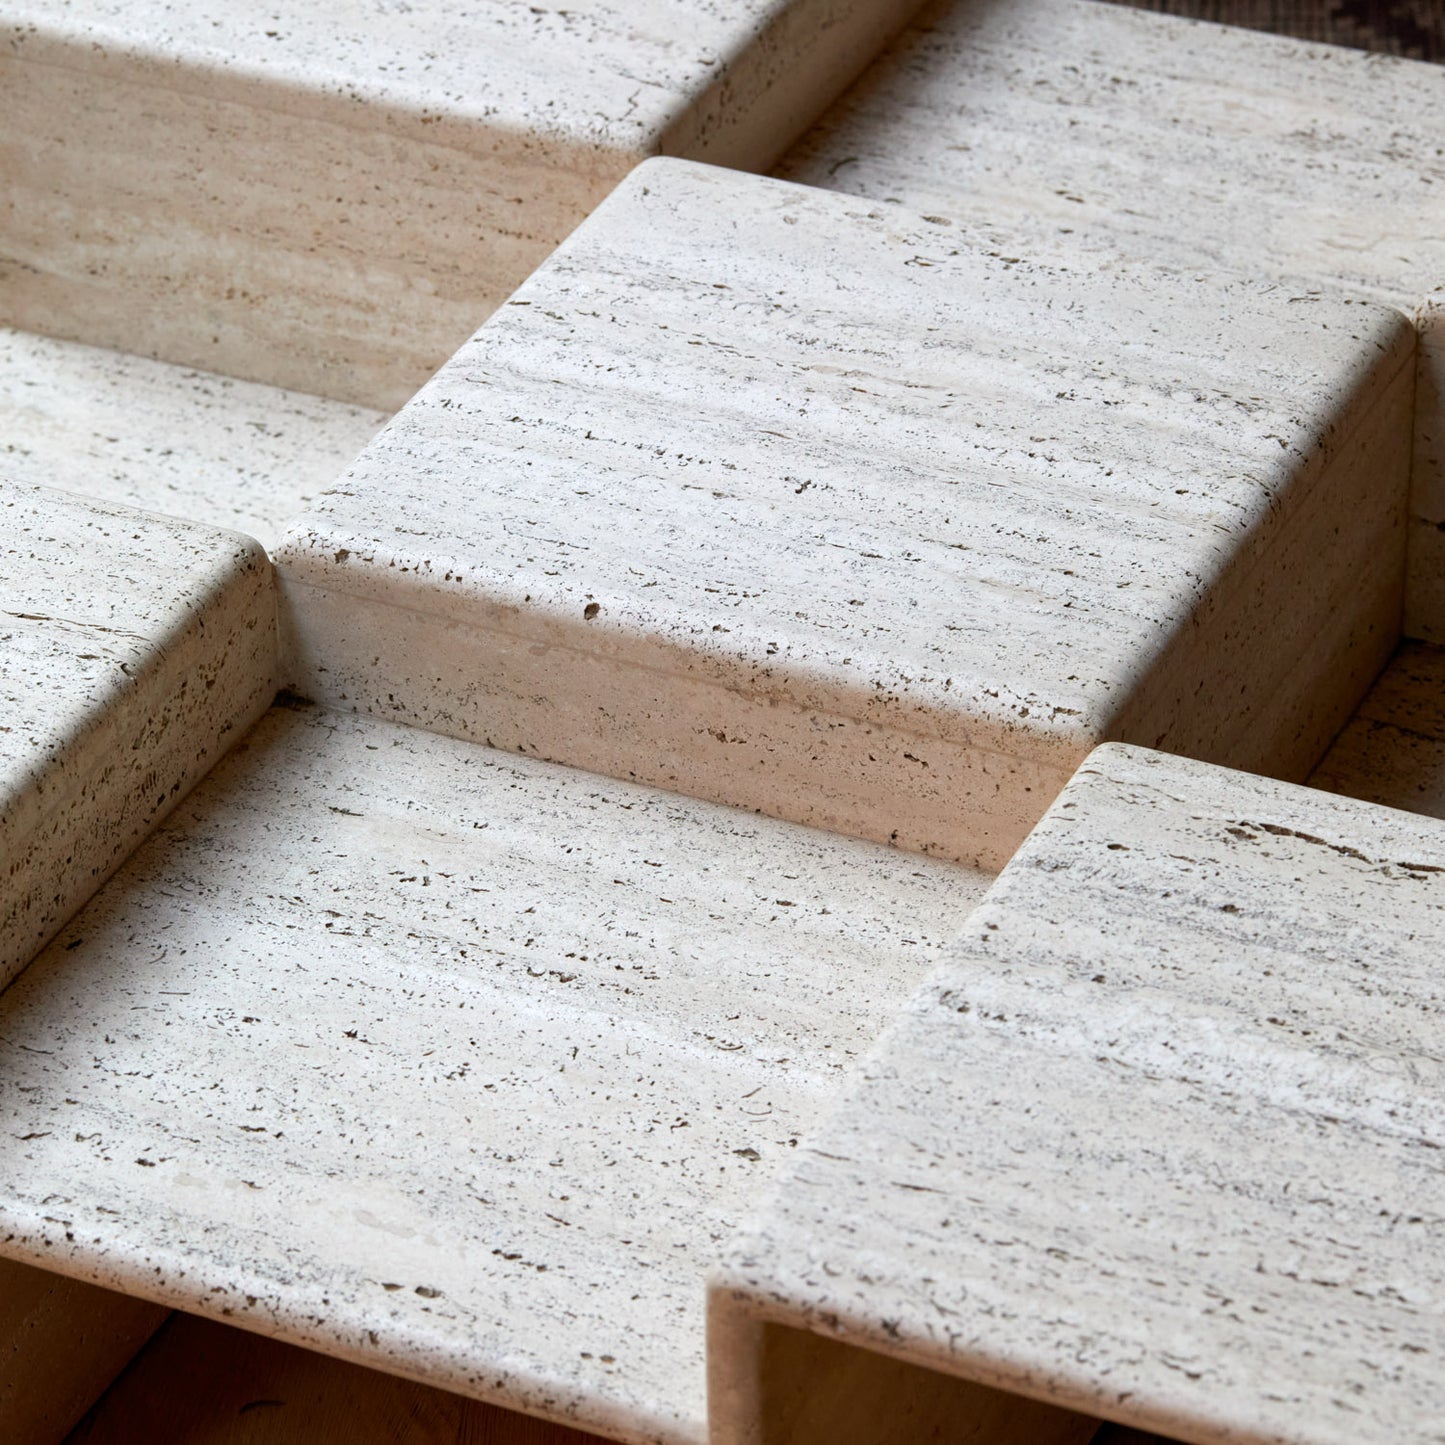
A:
[1151,138]
[448,1062]
[134,649]
[772,498]
[207,448]
[1159,1142]
[331,197]
[61,1343]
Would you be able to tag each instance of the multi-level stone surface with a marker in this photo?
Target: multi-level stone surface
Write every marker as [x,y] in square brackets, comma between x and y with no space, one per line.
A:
[1146,137]
[331,197]
[1159,1142]
[134,649]
[779,499]
[446,1061]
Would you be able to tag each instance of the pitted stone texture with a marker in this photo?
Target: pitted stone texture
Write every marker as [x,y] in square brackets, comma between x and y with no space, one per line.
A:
[134,649]
[1392,751]
[1150,138]
[449,1062]
[1160,1141]
[331,196]
[775,499]
[207,448]
[61,1343]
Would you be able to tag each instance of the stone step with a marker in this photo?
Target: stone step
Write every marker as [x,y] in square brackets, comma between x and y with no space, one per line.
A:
[1392,751]
[1146,137]
[448,1062]
[134,649]
[166,438]
[819,508]
[331,197]
[1159,1142]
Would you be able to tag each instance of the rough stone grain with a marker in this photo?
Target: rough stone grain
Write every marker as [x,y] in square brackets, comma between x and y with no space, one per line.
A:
[824,509]
[331,196]
[1148,137]
[207,448]
[448,1062]
[134,649]
[1161,1139]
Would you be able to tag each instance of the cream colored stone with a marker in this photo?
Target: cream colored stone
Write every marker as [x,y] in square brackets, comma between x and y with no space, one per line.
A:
[448,1062]
[134,649]
[61,1343]
[1160,1141]
[1150,138]
[332,196]
[773,498]
[208,448]
[1392,751]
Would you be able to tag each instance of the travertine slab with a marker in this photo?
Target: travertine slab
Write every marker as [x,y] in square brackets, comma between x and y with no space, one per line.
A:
[134,648]
[329,195]
[1392,751]
[826,510]
[61,1344]
[1150,138]
[448,1062]
[1160,1141]
[208,448]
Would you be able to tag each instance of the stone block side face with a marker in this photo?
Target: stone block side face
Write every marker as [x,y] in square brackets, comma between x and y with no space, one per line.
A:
[774,499]
[1191,1028]
[1425,584]
[62,1342]
[279,224]
[136,649]
[1266,669]
[300,250]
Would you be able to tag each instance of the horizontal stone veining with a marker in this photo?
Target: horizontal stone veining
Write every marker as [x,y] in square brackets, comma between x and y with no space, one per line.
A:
[1392,751]
[168,439]
[134,649]
[1160,1141]
[1148,137]
[814,507]
[446,1061]
[331,197]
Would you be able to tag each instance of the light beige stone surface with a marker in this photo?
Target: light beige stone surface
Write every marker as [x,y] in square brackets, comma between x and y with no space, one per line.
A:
[1147,137]
[448,1062]
[773,498]
[331,196]
[1392,751]
[1161,1139]
[61,1344]
[134,648]
[207,448]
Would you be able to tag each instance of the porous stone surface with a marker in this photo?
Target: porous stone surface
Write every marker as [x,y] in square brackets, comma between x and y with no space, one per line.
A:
[61,1343]
[820,508]
[1149,137]
[168,439]
[449,1062]
[1392,751]
[1159,1141]
[332,196]
[134,648]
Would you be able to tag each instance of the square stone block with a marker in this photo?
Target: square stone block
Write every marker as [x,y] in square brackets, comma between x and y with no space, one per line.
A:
[780,499]
[448,1062]
[134,649]
[169,439]
[1160,1141]
[330,196]
[1150,138]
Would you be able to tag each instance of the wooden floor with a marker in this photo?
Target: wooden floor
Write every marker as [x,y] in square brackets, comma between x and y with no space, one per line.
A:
[199,1383]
